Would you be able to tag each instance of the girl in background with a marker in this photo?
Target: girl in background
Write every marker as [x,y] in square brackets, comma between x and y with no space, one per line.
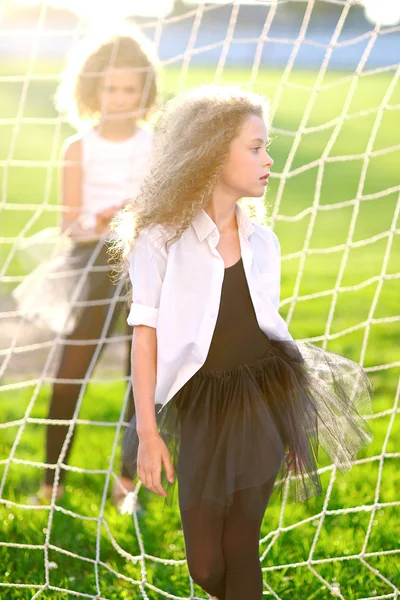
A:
[114,86]
[225,399]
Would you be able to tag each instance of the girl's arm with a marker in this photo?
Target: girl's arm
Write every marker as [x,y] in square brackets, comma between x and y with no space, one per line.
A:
[144,363]
[71,185]
[73,222]
[153,452]
[147,267]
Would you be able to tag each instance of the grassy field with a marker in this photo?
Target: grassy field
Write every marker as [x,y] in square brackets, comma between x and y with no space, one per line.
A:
[343,535]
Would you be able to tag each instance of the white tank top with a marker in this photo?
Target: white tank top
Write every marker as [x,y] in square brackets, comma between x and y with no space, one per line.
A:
[112,171]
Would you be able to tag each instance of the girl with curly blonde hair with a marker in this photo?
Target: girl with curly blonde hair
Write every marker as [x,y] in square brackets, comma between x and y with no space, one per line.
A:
[108,91]
[225,399]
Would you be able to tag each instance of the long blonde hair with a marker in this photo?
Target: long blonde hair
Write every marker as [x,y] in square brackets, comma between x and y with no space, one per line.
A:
[191,145]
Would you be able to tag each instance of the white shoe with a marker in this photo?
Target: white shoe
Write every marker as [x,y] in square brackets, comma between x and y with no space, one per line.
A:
[122,495]
[44,494]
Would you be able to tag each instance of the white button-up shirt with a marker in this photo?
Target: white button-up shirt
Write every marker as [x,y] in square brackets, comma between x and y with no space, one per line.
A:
[178,291]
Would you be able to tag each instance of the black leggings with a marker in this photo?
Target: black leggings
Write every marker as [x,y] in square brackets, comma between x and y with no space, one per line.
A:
[223,552]
[75,361]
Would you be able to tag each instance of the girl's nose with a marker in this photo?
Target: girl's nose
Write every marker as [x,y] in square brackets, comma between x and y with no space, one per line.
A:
[119,98]
[269,161]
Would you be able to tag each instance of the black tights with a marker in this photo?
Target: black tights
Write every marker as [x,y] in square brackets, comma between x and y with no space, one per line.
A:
[223,552]
[74,363]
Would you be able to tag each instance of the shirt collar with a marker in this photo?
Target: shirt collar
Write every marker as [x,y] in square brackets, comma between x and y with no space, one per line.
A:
[204,225]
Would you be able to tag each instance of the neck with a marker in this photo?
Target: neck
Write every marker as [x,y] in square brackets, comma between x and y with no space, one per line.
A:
[221,208]
[116,129]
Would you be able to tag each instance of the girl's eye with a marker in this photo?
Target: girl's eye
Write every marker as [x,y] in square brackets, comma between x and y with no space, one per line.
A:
[256,149]
[109,89]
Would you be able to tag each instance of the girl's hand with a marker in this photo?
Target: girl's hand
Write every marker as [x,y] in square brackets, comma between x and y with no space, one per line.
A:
[152,455]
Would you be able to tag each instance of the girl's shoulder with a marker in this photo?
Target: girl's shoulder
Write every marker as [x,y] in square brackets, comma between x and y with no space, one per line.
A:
[153,239]
[72,147]
[143,135]
[145,131]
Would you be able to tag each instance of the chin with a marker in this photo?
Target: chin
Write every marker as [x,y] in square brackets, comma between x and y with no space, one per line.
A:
[126,116]
[252,193]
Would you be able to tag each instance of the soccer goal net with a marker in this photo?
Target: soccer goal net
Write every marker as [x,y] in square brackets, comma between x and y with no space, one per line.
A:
[330,69]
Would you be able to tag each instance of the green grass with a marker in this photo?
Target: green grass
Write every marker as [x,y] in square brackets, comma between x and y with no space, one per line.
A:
[342,535]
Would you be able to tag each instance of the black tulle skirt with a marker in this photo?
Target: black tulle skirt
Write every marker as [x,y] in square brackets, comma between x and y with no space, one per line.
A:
[53,295]
[233,430]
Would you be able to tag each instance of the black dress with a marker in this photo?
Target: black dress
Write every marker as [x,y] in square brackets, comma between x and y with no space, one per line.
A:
[255,408]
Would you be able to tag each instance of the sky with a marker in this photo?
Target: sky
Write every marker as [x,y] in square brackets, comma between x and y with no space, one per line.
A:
[385,11]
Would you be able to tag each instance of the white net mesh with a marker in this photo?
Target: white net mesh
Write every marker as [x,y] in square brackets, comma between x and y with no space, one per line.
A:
[334,200]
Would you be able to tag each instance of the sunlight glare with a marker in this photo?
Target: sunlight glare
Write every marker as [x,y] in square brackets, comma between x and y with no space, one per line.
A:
[386,12]
[93,10]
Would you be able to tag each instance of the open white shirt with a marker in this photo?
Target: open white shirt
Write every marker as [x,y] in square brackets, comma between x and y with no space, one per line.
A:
[178,291]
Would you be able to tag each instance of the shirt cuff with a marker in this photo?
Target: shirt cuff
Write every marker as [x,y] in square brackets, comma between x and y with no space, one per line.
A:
[142,315]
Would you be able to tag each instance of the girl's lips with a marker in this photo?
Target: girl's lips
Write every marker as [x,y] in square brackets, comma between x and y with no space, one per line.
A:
[264,178]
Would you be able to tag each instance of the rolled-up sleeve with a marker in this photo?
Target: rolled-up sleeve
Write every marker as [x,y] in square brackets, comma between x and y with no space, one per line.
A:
[147,266]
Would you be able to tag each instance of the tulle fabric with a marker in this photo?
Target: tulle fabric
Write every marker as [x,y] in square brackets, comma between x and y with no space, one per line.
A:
[233,430]
[53,295]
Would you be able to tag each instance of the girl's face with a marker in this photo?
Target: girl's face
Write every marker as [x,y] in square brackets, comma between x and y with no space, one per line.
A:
[120,93]
[248,167]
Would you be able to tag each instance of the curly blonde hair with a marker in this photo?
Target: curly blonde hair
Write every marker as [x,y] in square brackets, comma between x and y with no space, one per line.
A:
[191,145]
[78,93]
